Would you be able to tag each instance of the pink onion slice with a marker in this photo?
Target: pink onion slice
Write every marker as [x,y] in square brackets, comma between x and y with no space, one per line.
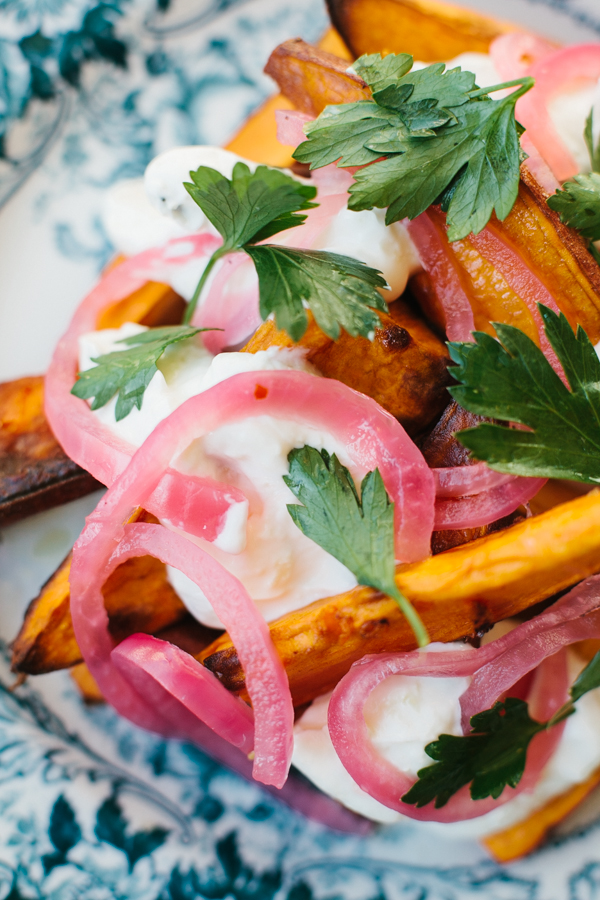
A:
[521,280]
[564,70]
[487,506]
[494,668]
[373,438]
[436,261]
[230,304]
[169,679]
[459,481]
[83,438]
[94,557]
[290,126]
[514,53]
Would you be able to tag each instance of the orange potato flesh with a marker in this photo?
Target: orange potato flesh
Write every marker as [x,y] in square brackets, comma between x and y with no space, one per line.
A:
[403,368]
[311,78]
[137,596]
[429,30]
[513,843]
[457,593]
[556,254]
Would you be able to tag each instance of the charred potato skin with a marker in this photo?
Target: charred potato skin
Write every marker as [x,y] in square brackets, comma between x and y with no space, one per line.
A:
[35,473]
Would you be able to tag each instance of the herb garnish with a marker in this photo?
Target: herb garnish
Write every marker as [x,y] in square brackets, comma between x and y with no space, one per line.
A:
[129,372]
[494,754]
[442,138]
[512,380]
[359,532]
[578,204]
[252,207]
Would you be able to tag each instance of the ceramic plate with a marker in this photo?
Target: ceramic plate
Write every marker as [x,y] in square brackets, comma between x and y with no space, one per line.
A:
[90,806]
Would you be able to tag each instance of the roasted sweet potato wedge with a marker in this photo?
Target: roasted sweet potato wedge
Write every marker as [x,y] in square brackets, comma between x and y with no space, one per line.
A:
[403,368]
[311,78]
[457,593]
[137,596]
[427,29]
[35,473]
[513,843]
[556,255]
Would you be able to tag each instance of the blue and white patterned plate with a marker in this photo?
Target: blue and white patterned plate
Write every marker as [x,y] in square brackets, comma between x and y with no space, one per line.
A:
[90,806]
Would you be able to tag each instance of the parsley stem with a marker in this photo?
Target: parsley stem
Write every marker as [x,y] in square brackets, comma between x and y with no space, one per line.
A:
[525,83]
[191,307]
[412,616]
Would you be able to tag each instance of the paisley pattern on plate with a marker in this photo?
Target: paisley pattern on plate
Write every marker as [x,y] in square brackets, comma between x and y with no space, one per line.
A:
[91,807]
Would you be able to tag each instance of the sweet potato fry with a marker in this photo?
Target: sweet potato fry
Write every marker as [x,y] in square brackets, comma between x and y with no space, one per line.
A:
[403,368]
[137,597]
[457,593]
[311,78]
[35,473]
[556,254]
[513,843]
[427,29]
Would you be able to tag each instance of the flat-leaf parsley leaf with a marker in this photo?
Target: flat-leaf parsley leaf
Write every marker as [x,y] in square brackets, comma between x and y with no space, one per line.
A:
[129,372]
[252,207]
[512,380]
[359,532]
[434,128]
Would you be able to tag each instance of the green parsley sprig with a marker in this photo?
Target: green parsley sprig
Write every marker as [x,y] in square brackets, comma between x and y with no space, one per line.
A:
[359,532]
[252,207]
[441,137]
[512,380]
[494,754]
[129,372]
[578,203]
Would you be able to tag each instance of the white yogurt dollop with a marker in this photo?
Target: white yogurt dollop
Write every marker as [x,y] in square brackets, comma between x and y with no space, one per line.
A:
[404,713]
[144,213]
[281,568]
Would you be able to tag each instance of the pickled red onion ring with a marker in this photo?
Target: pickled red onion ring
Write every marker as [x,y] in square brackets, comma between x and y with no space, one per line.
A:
[95,557]
[556,73]
[494,668]
[169,678]
[79,432]
[388,784]
[514,53]
[459,481]
[521,280]
[435,258]
[290,126]
[486,506]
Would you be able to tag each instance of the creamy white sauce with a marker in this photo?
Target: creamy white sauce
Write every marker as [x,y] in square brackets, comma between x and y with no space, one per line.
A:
[402,719]
[144,213]
[568,110]
[403,714]
[281,568]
